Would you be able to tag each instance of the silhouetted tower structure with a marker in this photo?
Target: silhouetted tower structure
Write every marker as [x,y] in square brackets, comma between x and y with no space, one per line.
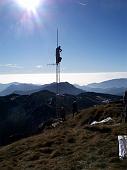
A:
[57,64]
[58,61]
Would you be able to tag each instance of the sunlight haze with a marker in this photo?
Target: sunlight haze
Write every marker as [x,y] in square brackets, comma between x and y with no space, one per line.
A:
[74,78]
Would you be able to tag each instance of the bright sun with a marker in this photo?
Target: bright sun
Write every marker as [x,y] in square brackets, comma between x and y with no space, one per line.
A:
[29,5]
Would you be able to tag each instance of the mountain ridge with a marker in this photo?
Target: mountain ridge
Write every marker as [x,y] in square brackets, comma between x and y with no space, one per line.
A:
[114,86]
[121,82]
[27,89]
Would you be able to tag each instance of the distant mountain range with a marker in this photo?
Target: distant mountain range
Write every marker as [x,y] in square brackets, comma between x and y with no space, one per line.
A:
[21,87]
[27,89]
[114,86]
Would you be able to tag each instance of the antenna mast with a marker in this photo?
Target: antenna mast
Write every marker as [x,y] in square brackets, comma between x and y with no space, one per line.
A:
[57,65]
[58,60]
[57,38]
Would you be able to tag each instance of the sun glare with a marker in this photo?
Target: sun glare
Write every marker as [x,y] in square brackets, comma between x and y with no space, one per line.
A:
[29,5]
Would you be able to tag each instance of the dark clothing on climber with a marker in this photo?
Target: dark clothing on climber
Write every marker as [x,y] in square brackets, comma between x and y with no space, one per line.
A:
[58,58]
[75,108]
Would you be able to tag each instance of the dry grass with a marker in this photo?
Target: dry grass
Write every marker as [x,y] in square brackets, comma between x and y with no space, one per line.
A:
[74,145]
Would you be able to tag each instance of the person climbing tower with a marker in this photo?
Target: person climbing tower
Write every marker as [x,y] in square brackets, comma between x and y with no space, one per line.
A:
[58,57]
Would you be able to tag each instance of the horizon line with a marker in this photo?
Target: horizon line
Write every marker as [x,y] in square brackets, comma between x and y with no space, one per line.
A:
[73,78]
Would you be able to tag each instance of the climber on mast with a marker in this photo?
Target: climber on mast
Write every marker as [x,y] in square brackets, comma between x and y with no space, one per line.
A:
[58,57]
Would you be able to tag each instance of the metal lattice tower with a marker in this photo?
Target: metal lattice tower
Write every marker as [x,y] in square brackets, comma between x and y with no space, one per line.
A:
[57,68]
[57,64]
[58,60]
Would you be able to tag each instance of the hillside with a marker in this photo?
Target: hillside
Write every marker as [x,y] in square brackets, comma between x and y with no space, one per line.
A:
[74,145]
[21,116]
[4,86]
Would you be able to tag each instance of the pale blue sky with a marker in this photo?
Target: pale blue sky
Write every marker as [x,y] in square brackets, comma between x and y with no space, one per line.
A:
[93,36]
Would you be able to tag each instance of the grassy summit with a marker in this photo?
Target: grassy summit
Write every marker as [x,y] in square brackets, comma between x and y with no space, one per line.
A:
[74,145]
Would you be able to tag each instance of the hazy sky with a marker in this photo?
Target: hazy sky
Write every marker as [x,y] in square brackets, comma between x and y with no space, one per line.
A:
[74,78]
[93,36]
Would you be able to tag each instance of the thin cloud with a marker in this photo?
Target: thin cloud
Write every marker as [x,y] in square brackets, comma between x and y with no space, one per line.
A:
[11,66]
[83,4]
[39,66]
